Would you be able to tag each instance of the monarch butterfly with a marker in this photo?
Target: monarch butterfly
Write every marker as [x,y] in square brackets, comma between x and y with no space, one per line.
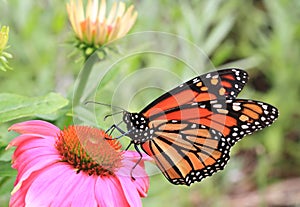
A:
[190,130]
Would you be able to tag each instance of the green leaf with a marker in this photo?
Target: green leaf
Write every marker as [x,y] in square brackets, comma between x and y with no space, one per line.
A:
[13,106]
[6,169]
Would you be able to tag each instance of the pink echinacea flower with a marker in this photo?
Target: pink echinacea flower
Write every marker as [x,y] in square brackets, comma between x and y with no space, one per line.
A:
[74,167]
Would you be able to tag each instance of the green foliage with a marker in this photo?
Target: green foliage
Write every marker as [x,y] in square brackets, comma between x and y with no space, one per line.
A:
[16,106]
[6,170]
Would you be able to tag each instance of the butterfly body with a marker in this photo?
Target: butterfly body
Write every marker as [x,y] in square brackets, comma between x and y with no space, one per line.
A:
[190,130]
[138,125]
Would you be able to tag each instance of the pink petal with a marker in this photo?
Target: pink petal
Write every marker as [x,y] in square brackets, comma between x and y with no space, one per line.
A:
[85,193]
[109,192]
[43,190]
[134,155]
[27,156]
[42,145]
[27,168]
[132,195]
[142,185]
[43,149]
[35,127]
[25,138]
[67,187]
[141,181]
[19,192]
[130,168]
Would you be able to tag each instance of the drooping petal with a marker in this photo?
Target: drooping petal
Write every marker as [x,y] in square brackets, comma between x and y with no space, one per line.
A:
[19,192]
[32,147]
[66,190]
[109,192]
[35,127]
[33,140]
[141,182]
[26,168]
[29,141]
[131,194]
[85,193]
[134,155]
[129,168]
[41,191]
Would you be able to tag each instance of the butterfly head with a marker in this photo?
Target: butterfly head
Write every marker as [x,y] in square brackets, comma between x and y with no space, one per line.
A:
[137,126]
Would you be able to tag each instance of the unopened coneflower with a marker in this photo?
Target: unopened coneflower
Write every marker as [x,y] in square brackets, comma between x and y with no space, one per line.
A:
[4,32]
[76,166]
[95,26]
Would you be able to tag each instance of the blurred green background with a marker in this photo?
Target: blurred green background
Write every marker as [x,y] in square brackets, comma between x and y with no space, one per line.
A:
[261,36]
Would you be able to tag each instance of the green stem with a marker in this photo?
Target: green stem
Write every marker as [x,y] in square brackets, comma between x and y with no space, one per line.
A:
[83,78]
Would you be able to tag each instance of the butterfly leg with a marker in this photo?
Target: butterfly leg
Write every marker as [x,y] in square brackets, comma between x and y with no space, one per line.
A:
[113,127]
[139,160]
[116,126]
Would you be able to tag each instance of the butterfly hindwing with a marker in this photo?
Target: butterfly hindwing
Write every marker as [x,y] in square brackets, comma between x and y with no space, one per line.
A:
[195,153]
[249,116]
[196,143]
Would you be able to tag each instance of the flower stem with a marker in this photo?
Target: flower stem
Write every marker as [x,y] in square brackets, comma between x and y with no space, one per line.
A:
[83,78]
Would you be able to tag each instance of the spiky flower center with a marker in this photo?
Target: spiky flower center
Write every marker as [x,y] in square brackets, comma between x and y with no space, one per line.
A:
[90,150]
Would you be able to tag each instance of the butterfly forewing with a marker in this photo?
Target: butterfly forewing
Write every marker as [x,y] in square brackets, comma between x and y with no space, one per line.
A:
[221,84]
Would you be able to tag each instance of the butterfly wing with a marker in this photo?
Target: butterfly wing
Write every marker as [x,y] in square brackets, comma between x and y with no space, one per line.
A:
[195,153]
[221,84]
[193,141]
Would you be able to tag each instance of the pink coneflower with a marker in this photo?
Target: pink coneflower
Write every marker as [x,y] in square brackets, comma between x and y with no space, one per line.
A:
[76,166]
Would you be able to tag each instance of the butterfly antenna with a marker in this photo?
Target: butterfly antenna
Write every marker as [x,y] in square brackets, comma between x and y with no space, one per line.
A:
[104,104]
[105,117]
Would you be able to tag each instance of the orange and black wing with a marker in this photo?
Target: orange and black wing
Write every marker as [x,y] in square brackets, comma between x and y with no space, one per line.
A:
[193,141]
[221,84]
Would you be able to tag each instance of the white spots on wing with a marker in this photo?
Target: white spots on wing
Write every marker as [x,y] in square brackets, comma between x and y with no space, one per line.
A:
[244,126]
[208,75]
[264,106]
[236,106]
[215,76]
[217,106]
[196,80]
[213,101]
